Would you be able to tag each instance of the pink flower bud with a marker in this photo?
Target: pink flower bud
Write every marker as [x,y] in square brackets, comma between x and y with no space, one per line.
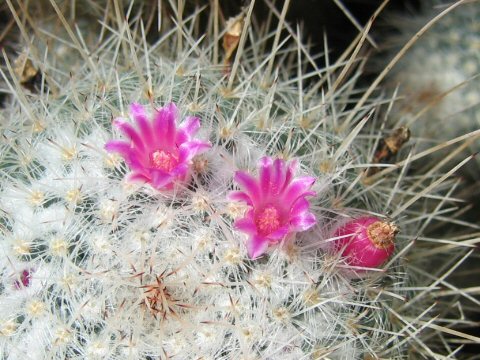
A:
[24,280]
[366,242]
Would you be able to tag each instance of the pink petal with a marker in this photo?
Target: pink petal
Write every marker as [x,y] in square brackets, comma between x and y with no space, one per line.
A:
[188,128]
[279,234]
[246,225]
[189,149]
[24,279]
[303,221]
[138,177]
[140,116]
[130,132]
[278,178]
[256,246]
[120,147]
[249,184]
[137,109]
[164,125]
[297,188]
[292,167]
[300,206]
[135,164]
[132,157]
[240,196]
[265,174]
[180,171]
[160,178]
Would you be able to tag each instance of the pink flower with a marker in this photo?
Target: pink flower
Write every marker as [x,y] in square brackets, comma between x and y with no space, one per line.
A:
[277,204]
[158,152]
[367,241]
[24,281]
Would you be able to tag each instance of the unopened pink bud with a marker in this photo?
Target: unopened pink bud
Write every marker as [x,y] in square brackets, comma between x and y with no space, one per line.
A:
[24,280]
[367,241]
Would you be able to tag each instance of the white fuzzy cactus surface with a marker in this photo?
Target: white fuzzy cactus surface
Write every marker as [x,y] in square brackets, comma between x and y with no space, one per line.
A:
[119,252]
[438,77]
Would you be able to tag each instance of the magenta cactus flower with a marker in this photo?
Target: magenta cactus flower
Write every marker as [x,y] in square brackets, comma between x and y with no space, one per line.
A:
[24,281]
[277,203]
[158,152]
[366,241]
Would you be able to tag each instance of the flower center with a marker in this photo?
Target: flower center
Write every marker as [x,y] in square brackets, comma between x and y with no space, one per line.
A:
[268,220]
[163,160]
[382,234]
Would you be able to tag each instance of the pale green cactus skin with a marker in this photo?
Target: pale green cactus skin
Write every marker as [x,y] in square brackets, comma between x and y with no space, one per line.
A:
[438,78]
[95,243]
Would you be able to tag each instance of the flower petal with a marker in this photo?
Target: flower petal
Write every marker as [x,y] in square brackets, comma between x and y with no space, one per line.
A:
[303,222]
[188,128]
[118,146]
[256,246]
[299,206]
[278,176]
[129,131]
[292,167]
[191,148]
[297,188]
[134,163]
[180,171]
[137,177]
[265,164]
[164,126]
[140,116]
[279,234]
[240,196]
[246,225]
[132,157]
[160,178]
[249,185]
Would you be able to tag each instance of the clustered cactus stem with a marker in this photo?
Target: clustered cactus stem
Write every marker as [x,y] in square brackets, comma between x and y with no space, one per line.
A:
[227,221]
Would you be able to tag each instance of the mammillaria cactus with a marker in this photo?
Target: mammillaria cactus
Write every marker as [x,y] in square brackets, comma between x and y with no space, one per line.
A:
[438,78]
[445,58]
[97,266]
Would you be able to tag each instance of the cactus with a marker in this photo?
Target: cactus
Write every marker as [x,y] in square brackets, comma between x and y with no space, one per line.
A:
[95,265]
[438,77]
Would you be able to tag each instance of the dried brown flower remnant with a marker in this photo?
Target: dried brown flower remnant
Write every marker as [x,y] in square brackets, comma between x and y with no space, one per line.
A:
[232,36]
[26,72]
[159,300]
[389,147]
